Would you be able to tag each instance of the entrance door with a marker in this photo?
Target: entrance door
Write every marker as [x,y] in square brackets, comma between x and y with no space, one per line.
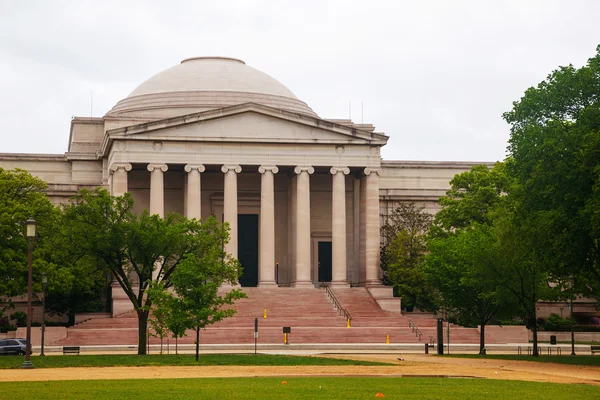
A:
[248,248]
[324,261]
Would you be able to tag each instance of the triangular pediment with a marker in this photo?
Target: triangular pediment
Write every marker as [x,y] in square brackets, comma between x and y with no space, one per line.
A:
[249,123]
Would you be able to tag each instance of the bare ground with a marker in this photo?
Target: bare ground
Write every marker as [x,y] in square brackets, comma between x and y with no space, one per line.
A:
[409,365]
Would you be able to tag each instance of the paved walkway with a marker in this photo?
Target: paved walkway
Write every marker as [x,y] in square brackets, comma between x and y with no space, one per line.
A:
[411,365]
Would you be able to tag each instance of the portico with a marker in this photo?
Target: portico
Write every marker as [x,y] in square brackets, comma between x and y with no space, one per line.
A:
[297,206]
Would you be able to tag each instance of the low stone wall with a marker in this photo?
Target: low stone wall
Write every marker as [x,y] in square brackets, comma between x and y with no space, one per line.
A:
[53,334]
[496,334]
[566,336]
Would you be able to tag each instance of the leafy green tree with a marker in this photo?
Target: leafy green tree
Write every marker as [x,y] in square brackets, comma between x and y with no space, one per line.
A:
[521,275]
[21,197]
[472,198]
[458,267]
[403,249]
[196,301]
[136,249]
[158,319]
[494,239]
[555,151]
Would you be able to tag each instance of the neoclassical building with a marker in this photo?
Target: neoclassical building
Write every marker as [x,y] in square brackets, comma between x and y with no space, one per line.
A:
[304,196]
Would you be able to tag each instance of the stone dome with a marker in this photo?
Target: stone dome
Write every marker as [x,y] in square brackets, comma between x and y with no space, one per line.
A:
[205,83]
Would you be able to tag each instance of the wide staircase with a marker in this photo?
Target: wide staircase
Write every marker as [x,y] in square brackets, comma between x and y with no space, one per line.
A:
[309,313]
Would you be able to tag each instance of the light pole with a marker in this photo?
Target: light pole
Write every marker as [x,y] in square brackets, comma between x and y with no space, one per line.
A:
[44,285]
[572,281]
[30,234]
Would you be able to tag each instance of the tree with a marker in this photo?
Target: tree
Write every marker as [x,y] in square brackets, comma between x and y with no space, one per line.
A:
[135,249]
[21,197]
[458,267]
[402,253]
[482,211]
[196,301]
[555,158]
[472,197]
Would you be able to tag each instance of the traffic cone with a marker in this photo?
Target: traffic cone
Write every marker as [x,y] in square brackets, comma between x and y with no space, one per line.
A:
[379,395]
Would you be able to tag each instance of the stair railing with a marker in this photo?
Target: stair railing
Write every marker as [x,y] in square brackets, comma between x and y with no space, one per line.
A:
[336,303]
[415,329]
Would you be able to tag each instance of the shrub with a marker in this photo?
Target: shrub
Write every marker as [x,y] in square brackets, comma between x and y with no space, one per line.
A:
[541,322]
[556,323]
[594,321]
[20,317]
[5,326]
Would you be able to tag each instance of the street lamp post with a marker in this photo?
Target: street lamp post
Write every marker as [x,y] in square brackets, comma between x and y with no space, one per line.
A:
[572,281]
[30,234]
[44,285]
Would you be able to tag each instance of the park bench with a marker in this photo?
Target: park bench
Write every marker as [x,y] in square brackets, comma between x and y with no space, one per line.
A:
[595,349]
[71,349]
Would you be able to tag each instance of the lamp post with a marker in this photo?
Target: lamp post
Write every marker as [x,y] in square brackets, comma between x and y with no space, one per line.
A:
[44,285]
[572,281]
[30,234]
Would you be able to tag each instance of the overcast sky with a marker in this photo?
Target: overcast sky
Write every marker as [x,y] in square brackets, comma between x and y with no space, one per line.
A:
[435,76]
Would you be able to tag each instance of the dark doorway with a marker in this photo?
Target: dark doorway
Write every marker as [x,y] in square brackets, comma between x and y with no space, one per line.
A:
[248,248]
[324,261]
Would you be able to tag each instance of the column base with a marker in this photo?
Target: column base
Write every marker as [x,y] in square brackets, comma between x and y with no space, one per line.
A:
[267,284]
[304,284]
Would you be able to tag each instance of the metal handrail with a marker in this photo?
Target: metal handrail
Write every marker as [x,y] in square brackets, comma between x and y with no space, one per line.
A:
[335,301]
[415,329]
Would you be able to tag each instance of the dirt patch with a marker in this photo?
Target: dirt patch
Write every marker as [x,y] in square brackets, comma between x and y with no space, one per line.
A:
[410,365]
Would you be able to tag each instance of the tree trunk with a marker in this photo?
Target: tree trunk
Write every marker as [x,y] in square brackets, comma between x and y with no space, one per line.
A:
[197,342]
[161,345]
[535,334]
[176,349]
[482,339]
[142,331]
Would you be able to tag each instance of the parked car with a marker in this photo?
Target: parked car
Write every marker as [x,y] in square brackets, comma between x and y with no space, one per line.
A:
[13,346]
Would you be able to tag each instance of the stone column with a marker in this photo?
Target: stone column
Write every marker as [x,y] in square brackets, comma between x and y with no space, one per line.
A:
[303,226]
[118,187]
[119,184]
[372,228]
[157,189]
[193,191]
[338,226]
[230,207]
[266,268]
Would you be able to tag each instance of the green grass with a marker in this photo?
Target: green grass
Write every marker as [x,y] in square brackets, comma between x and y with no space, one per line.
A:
[563,359]
[187,359]
[296,388]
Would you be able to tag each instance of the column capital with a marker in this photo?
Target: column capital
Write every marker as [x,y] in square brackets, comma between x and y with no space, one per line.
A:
[114,167]
[335,170]
[369,171]
[264,168]
[162,167]
[304,168]
[235,168]
[191,167]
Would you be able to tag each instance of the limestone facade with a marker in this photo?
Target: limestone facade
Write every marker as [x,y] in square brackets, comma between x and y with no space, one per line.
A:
[212,136]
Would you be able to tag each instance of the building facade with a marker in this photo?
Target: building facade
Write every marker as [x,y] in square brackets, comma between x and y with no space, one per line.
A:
[304,196]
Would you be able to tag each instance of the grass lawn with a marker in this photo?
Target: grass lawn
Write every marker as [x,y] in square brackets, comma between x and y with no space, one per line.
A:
[296,388]
[564,359]
[187,359]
